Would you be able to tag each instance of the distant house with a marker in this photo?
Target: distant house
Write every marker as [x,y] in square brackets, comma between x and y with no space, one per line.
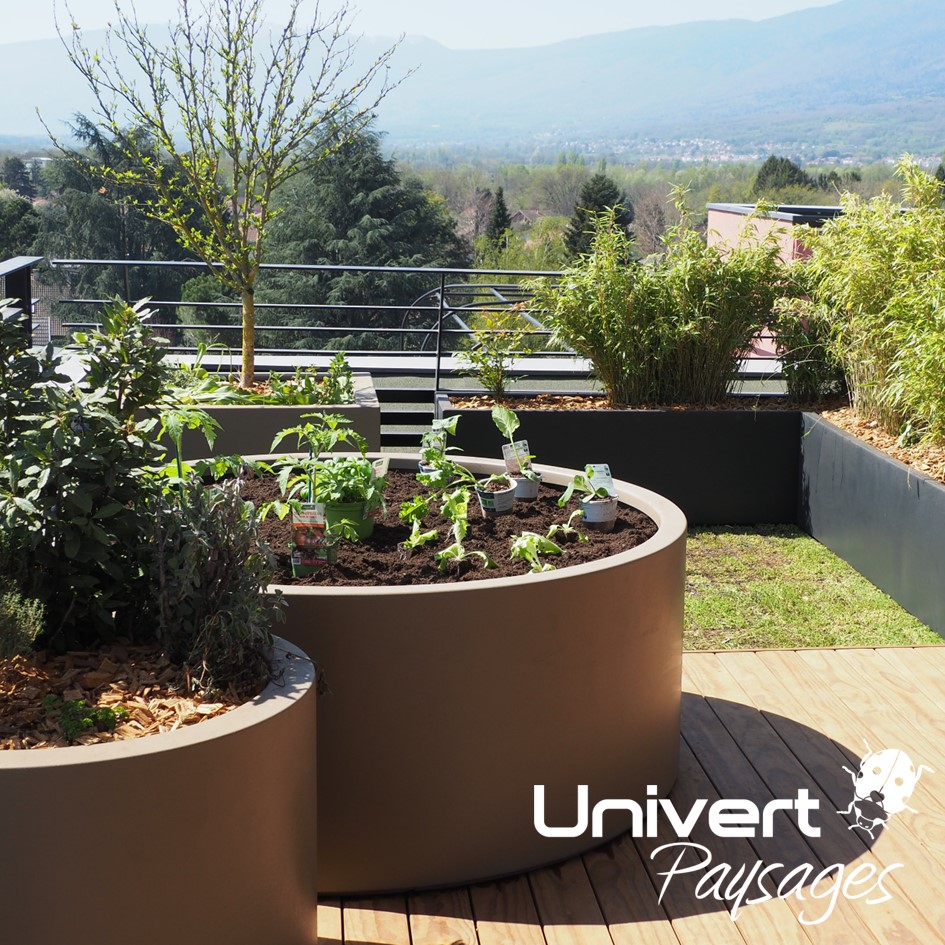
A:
[526,217]
[727,222]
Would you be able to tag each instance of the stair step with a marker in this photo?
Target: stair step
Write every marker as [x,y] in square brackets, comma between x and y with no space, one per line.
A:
[419,417]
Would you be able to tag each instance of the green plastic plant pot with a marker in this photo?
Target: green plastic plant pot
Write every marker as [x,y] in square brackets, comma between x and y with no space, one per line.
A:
[353,511]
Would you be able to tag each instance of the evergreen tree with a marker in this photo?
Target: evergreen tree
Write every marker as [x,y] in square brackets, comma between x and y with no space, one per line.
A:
[600,193]
[355,209]
[778,173]
[19,226]
[17,177]
[500,220]
[94,216]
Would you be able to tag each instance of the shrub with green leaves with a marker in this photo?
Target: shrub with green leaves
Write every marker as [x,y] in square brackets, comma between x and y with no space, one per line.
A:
[74,479]
[209,571]
[673,328]
[22,618]
[498,339]
[22,373]
[877,280]
[811,371]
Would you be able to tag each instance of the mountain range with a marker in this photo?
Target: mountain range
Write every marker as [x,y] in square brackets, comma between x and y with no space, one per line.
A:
[859,78]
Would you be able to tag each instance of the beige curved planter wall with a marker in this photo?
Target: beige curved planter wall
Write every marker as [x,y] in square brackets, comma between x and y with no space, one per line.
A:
[449,703]
[206,833]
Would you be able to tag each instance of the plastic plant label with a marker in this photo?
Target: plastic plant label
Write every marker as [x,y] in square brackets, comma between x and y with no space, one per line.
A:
[513,454]
[308,544]
[601,478]
[381,466]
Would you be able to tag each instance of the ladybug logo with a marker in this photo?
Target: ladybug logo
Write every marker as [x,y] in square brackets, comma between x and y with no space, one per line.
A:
[882,787]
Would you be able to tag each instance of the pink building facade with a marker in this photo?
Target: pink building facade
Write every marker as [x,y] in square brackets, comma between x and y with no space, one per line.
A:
[727,225]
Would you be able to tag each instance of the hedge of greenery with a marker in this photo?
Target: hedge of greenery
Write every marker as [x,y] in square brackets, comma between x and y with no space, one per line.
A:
[672,328]
[877,290]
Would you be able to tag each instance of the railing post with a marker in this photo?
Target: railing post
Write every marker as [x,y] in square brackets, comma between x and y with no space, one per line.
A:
[127,282]
[439,334]
[18,285]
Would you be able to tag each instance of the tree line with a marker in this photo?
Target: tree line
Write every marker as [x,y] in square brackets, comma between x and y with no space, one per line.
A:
[359,207]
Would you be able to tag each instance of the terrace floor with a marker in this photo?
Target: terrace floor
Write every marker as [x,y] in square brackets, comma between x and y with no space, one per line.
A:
[757,726]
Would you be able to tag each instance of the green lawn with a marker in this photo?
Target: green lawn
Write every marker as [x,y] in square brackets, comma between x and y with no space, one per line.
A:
[774,586]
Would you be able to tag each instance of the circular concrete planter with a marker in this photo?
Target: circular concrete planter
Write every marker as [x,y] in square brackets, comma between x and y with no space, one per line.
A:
[449,703]
[208,827]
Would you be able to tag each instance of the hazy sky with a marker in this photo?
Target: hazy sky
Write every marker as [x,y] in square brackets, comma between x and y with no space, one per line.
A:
[455,23]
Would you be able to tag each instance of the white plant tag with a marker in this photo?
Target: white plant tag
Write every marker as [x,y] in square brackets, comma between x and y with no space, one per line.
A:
[381,466]
[513,453]
[601,478]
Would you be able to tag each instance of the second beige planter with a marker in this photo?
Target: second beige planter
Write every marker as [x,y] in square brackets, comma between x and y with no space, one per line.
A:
[449,703]
[204,834]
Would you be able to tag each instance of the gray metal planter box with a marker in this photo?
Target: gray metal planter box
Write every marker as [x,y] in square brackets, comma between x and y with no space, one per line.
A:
[734,467]
[884,518]
[249,430]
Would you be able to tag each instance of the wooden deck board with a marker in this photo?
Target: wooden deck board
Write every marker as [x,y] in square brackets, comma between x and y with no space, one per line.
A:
[784,772]
[505,913]
[756,725]
[825,712]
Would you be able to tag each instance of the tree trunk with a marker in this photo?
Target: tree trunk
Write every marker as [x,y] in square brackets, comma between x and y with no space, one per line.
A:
[249,338]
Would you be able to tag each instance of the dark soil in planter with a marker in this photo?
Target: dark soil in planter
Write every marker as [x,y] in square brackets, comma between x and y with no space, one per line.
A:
[381,561]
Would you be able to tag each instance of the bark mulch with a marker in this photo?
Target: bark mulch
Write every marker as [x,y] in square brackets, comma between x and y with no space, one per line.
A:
[140,680]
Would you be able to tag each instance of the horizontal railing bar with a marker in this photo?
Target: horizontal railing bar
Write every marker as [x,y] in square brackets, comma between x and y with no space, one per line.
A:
[186,326]
[343,306]
[302,267]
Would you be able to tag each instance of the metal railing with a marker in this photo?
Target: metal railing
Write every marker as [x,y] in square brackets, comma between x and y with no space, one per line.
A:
[433,318]
[417,323]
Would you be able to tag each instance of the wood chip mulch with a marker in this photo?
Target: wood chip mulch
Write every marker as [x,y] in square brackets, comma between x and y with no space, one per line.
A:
[925,458]
[600,402]
[154,692]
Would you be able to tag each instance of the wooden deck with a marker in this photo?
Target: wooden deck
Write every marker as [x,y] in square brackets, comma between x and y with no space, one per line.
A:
[756,725]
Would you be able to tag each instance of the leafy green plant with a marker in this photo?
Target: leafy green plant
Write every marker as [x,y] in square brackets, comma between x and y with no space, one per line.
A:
[76,717]
[530,546]
[451,484]
[672,328]
[210,572]
[298,476]
[566,529]
[499,338]
[582,484]
[74,480]
[22,373]
[810,370]
[22,620]
[176,419]
[454,555]
[507,422]
[876,279]
[194,384]
[123,357]
[433,446]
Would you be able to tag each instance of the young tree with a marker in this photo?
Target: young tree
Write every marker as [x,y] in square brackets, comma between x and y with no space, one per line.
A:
[237,107]
[500,220]
[598,195]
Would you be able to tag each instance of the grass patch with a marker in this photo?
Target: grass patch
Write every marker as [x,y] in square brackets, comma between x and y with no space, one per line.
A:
[755,587]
